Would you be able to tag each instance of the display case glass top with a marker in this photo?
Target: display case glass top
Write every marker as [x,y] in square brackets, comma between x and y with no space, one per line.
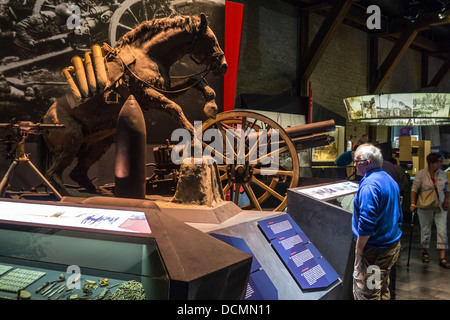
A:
[75,216]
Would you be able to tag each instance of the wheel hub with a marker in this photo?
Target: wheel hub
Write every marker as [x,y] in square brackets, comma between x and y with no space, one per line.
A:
[239,173]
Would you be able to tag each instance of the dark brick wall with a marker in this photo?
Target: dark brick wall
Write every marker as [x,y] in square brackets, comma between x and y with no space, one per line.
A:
[269,54]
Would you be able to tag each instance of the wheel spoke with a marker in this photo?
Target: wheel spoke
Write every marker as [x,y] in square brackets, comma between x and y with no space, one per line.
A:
[227,187]
[252,196]
[124,26]
[273,172]
[268,155]
[237,187]
[132,14]
[266,188]
[222,168]
[216,153]
[228,144]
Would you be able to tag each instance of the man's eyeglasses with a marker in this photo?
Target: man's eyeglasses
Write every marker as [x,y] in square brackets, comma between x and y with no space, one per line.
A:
[358,161]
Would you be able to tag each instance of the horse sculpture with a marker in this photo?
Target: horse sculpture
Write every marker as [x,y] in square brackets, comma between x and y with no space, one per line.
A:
[139,64]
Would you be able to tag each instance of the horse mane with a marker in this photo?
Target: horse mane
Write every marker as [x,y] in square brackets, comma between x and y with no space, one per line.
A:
[147,29]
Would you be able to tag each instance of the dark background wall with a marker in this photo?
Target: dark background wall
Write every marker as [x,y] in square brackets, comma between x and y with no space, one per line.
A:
[269,61]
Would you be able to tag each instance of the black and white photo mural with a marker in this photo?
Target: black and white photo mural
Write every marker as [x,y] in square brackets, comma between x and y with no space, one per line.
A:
[38,39]
[400,109]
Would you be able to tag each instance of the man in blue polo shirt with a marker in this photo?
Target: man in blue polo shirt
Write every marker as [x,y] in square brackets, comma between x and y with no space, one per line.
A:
[377,217]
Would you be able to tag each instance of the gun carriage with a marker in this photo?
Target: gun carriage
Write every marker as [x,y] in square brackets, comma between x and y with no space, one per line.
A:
[263,183]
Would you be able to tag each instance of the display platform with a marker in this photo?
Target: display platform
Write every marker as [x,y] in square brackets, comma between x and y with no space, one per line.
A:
[328,223]
[245,227]
[127,241]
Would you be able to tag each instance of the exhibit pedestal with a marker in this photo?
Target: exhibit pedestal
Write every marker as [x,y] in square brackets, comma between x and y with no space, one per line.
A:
[329,227]
[197,213]
[272,277]
[245,226]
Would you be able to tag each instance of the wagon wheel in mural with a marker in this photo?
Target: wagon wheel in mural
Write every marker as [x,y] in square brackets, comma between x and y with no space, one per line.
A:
[247,169]
[133,12]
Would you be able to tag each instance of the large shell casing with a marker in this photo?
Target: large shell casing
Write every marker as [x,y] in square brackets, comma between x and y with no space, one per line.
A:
[80,75]
[90,73]
[99,67]
[130,158]
[73,88]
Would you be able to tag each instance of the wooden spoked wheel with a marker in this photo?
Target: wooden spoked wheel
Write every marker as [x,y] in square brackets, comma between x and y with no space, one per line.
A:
[254,167]
[130,13]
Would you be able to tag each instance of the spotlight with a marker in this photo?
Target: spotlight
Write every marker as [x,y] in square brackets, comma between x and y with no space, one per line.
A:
[443,12]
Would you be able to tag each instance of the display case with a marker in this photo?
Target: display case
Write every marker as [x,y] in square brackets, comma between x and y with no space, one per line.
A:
[109,266]
[91,251]
[328,223]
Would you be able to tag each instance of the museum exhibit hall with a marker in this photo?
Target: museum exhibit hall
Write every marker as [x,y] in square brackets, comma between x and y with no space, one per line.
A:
[244,151]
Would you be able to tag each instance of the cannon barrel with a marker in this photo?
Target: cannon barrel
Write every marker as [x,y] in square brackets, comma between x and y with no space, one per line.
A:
[310,128]
[306,136]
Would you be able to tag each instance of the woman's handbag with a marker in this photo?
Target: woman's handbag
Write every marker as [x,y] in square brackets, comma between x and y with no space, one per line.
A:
[427,200]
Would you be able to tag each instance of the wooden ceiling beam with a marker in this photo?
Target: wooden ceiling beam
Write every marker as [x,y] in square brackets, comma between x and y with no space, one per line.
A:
[440,75]
[323,37]
[393,58]
[406,38]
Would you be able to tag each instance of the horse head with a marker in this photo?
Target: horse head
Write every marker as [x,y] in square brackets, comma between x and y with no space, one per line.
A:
[205,49]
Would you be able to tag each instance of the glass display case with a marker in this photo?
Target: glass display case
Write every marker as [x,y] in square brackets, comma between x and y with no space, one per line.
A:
[111,248]
[58,263]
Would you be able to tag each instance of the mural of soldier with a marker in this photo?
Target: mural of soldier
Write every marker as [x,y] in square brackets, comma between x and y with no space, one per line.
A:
[38,33]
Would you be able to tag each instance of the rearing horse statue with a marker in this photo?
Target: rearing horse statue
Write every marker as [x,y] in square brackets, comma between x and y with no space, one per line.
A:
[139,64]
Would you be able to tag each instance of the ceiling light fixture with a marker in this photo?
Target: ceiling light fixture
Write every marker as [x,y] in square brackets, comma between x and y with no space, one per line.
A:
[443,12]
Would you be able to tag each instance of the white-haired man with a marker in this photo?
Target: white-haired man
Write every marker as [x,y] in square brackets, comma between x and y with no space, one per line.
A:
[377,217]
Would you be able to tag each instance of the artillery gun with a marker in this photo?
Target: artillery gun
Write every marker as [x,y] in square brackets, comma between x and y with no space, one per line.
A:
[256,179]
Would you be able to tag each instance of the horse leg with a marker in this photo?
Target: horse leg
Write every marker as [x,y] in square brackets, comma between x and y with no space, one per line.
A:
[170,107]
[202,85]
[62,143]
[87,156]
[62,159]
[209,94]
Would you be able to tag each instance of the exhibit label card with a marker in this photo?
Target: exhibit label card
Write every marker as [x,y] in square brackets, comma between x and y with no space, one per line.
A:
[306,264]
[260,287]
[282,226]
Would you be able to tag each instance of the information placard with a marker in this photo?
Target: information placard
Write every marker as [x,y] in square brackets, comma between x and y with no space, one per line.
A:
[260,287]
[281,227]
[306,264]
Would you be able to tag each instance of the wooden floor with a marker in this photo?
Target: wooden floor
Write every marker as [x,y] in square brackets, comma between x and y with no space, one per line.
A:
[420,281]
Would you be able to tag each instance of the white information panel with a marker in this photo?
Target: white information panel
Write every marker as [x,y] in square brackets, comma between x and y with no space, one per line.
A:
[81,217]
[330,190]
